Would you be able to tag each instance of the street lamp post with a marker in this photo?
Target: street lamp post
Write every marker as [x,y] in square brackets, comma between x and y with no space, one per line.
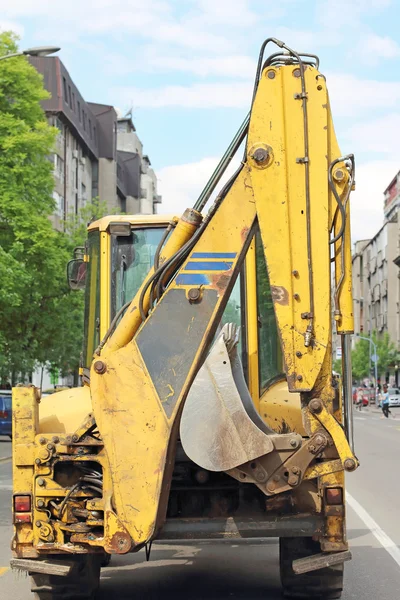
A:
[38,51]
[371,343]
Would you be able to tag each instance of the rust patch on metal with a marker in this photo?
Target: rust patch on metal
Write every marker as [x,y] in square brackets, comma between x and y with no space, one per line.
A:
[220,281]
[120,543]
[244,233]
[280,295]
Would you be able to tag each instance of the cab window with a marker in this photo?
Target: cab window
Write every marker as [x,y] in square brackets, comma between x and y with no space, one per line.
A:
[131,260]
[269,347]
[92,298]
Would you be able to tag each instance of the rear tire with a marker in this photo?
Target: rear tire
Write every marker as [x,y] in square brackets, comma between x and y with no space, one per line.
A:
[326,584]
[81,584]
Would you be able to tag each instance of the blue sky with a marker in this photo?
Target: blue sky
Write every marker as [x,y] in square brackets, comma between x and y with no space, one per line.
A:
[187,68]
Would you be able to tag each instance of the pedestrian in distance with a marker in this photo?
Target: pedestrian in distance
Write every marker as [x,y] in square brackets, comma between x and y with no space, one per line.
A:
[385,403]
[359,402]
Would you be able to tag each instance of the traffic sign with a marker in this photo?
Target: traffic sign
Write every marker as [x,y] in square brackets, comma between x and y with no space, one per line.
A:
[374,358]
[339,352]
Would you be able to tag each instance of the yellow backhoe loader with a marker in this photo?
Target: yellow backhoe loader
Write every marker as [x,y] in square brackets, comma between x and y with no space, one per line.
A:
[207,407]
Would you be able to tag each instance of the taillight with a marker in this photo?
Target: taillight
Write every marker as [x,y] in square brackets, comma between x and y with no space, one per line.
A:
[334,496]
[22,509]
[3,414]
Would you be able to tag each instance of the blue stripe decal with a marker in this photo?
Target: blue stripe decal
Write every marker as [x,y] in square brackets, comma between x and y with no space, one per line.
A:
[192,279]
[208,266]
[213,255]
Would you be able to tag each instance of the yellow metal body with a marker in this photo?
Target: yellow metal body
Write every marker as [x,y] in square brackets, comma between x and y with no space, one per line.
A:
[141,375]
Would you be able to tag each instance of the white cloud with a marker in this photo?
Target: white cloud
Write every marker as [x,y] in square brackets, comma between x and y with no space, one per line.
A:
[153,61]
[344,14]
[373,47]
[11,26]
[372,178]
[380,135]
[180,185]
[351,96]
[206,95]
[302,39]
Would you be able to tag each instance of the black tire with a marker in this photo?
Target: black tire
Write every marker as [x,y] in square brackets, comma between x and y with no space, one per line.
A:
[105,559]
[325,584]
[81,584]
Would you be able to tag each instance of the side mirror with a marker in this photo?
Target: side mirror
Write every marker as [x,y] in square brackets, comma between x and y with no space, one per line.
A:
[76,270]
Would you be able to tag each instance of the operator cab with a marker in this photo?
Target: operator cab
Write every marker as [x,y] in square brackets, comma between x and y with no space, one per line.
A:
[119,253]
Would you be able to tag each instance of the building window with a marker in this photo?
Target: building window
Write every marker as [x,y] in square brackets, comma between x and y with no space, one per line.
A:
[58,167]
[84,120]
[90,128]
[83,193]
[79,111]
[73,101]
[65,90]
[94,133]
[70,96]
[60,204]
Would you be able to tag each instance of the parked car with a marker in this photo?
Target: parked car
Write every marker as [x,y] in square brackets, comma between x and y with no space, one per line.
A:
[368,396]
[5,412]
[394,397]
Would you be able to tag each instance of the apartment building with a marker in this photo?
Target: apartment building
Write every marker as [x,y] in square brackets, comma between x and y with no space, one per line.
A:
[96,154]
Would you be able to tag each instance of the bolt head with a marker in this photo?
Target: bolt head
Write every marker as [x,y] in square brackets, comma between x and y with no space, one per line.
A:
[260,155]
[296,73]
[40,481]
[293,443]
[299,354]
[42,440]
[299,378]
[315,406]
[56,439]
[349,464]
[40,503]
[338,175]
[100,367]
[38,523]
[75,438]
[271,74]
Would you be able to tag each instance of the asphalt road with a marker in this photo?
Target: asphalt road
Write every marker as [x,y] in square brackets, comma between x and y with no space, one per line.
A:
[249,569]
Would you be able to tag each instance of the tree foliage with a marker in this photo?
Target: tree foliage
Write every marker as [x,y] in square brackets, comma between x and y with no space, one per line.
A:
[386,351]
[360,359]
[41,319]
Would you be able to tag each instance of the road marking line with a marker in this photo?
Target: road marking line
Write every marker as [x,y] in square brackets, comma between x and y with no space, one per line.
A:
[374,528]
[5,459]
[360,418]
[3,570]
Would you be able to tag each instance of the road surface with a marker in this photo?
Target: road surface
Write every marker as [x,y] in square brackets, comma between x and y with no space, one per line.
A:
[249,569]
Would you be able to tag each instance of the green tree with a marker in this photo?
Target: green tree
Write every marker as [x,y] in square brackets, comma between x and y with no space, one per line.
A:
[386,351]
[360,359]
[41,319]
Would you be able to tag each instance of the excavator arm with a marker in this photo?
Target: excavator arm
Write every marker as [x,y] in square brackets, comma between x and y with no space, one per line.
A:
[294,185]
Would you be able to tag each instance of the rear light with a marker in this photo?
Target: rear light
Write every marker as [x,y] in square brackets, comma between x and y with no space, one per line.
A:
[22,504]
[334,496]
[3,414]
[22,517]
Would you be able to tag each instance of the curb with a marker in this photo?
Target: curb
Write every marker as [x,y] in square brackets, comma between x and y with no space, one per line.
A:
[5,458]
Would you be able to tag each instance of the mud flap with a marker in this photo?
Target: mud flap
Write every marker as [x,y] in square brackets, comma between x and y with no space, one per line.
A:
[220,428]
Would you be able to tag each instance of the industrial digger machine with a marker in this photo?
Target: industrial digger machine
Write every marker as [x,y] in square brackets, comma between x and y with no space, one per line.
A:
[208,407]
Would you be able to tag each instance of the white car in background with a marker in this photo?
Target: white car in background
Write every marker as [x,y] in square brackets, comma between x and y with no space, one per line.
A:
[394,397]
